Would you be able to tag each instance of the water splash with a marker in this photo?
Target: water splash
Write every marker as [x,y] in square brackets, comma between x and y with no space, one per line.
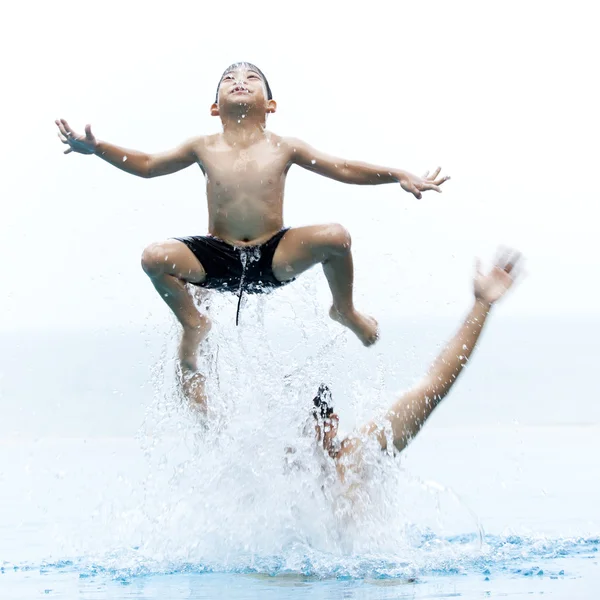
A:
[229,496]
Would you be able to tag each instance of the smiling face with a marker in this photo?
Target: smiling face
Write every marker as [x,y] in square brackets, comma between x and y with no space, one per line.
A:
[244,86]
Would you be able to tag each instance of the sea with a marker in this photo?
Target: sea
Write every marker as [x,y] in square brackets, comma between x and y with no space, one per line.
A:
[110,487]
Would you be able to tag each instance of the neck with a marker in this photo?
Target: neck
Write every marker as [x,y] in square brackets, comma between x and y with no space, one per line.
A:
[243,127]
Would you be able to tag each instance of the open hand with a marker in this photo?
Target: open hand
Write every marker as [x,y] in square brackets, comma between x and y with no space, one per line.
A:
[415,185]
[491,287]
[84,144]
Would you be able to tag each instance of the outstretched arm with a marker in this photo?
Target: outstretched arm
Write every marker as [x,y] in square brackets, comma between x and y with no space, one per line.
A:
[360,173]
[409,413]
[130,161]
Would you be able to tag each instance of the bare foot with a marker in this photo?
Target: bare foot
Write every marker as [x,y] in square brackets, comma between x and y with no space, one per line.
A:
[365,328]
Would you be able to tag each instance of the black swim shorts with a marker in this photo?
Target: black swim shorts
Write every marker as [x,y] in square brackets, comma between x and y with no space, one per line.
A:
[236,269]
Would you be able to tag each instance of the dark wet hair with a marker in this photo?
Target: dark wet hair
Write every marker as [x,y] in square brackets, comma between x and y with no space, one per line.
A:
[249,66]
[322,403]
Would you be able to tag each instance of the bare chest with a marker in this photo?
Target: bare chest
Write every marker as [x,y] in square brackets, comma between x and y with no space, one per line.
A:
[249,169]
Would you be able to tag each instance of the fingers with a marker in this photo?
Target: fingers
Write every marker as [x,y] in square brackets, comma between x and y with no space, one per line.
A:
[66,126]
[65,130]
[501,257]
[431,177]
[61,127]
[62,138]
[68,150]
[88,132]
[435,178]
[435,174]
[513,263]
[429,186]
[415,192]
[478,267]
[517,272]
[507,259]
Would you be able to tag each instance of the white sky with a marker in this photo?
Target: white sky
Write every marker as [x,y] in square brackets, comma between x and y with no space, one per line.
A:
[504,96]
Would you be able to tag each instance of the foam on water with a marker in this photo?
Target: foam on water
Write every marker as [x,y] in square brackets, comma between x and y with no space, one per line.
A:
[515,556]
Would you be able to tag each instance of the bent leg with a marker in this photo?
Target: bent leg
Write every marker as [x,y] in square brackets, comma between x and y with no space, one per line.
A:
[302,247]
[170,265]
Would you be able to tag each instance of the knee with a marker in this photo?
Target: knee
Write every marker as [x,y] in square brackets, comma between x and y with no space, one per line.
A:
[338,238]
[154,258]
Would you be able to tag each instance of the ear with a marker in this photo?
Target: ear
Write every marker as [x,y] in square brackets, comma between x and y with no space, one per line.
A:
[271,106]
[214,110]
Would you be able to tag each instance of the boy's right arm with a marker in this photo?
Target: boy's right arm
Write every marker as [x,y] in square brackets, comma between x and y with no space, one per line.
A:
[130,161]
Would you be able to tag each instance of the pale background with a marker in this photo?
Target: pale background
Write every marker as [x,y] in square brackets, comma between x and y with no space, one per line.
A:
[502,95]
[504,98]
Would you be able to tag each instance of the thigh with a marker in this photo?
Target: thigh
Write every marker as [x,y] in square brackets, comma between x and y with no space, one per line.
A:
[176,259]
[302,247]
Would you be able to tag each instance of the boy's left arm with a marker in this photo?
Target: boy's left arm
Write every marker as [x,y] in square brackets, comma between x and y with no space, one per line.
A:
[360,173]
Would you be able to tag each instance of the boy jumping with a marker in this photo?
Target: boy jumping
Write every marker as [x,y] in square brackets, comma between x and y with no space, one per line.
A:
[248,248]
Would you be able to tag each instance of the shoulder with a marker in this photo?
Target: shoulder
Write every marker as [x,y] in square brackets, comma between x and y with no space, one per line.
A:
[202,144]
[295,148]
[292,143]
[209,141]
[198,142]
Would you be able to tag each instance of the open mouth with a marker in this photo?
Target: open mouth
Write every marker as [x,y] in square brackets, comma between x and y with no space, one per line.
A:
[239,90]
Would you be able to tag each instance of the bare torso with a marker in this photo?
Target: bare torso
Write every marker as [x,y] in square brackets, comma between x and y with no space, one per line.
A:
[244,186]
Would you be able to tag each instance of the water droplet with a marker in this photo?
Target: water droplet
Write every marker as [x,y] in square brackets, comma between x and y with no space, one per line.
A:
[313,162]
[124,158]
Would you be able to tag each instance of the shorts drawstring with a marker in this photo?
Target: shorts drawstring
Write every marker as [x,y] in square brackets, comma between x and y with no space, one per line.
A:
[244,261]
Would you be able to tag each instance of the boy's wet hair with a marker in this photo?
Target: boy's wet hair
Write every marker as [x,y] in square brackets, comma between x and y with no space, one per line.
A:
[323,403]
[250,67]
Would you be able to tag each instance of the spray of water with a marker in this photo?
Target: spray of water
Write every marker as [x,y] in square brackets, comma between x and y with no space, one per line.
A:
[247,488]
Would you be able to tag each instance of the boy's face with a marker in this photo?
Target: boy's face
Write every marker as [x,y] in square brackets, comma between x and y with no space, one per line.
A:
[242,86]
